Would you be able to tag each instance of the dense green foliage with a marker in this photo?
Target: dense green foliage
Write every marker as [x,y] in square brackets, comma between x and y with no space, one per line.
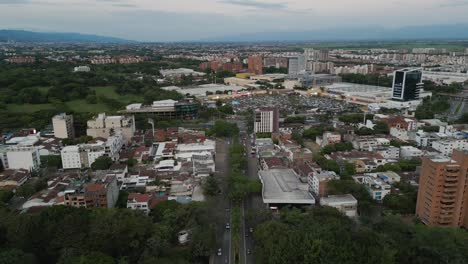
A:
[102,163]
[211,187]
[294,119]
[403,202]
[344,146]
[51,161]
[313,132]
[369,79]
[430,107]
[402,165]
[323,235]
[223,128]
[76,235]
[354,118]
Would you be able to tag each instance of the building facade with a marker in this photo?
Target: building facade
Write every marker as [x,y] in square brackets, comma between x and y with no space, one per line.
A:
[106,126]
[255,64]
[266,120]
[407,84]
[442,190]
[63,126]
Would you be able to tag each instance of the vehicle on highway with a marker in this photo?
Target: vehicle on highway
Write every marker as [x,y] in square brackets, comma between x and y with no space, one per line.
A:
[219,252]
[228,225]
[249,252]
[251,230]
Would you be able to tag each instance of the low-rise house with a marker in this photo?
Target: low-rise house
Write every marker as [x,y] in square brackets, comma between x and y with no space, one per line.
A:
[134,182]
[119,171]
[376,187]
[363,161]
[389,152]
[328,138]
[345,203]
[138,201]
[12,179]
[410,152]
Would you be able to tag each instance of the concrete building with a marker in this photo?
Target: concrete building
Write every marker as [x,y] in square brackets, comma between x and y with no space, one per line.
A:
[255,64]
[318,182]
[266,120]
[63,126]
[296,65]
[82,69]
[316,55]
[20,156]
[388,152]
[407,84]
[178,73]
[106,126]
[376,187]
[328,138]
[345,203]
[138,201]
[101,194]
[410,152]
[447,146]
[284,187]
[442,193]
[84,155]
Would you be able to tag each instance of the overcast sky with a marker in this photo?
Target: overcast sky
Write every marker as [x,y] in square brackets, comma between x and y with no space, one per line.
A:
[174,20]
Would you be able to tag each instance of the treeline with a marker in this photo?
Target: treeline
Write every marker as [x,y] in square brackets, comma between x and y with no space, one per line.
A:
[70,235]
[369,79]
[325,236]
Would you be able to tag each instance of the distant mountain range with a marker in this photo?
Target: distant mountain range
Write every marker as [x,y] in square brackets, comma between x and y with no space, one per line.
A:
[30,36]
[433,32]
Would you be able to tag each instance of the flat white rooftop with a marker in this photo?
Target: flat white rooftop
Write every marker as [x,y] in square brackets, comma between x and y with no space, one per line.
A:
[282,186]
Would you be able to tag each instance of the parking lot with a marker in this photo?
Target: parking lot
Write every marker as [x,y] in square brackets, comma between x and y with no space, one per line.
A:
[290,104]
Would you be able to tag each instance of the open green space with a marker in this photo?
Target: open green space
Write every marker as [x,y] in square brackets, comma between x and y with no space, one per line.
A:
[28,108]
[79,106]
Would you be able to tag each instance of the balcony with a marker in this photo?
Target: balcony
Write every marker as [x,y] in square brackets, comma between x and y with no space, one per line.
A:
[447,200]
[450,185]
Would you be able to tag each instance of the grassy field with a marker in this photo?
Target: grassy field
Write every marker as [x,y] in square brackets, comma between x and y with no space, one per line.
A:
[28,108]
[79,105]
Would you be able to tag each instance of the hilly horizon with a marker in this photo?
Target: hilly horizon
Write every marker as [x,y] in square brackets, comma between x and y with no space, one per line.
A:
[436,32]
[56,37]
[432,32]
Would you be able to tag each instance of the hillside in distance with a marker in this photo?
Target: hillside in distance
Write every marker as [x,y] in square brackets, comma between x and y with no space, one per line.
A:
[431,32]
[30,36]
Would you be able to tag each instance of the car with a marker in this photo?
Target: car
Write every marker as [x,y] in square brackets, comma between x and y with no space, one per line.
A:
[219,252]
[228,225]
[251,230]
[249,252]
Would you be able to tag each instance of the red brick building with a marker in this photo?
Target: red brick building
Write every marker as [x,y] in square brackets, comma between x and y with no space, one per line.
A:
[256,64]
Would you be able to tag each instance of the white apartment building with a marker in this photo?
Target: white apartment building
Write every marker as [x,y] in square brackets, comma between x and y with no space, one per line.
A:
[400,133]
[266,120]
[318,182]
[345,203]
[106,126]
[63,126]
[447,146]
[410,152]
[20,157]
[389,152]
[84,155]
[71,158]
[376,187]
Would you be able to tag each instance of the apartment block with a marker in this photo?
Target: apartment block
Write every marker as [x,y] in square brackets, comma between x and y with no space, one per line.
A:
[442,194]
[63,126]
[106,126]
[255,64]
[266,120]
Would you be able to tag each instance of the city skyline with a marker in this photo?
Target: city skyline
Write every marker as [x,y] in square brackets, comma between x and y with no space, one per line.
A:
[182,20]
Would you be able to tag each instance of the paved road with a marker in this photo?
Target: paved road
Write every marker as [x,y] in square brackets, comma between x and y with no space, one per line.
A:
[223,235]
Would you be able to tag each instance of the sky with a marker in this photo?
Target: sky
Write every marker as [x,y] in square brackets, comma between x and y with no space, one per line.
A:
[181,20]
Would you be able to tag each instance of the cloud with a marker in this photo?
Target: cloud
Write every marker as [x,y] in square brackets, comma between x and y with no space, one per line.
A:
[255,4]
[14,2]
[454,3]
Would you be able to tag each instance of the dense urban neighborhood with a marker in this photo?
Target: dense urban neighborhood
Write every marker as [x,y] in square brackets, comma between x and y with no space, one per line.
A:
[233,153]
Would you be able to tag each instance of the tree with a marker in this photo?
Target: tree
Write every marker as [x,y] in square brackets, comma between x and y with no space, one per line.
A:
[102,163]
[51,161]
[211,187]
